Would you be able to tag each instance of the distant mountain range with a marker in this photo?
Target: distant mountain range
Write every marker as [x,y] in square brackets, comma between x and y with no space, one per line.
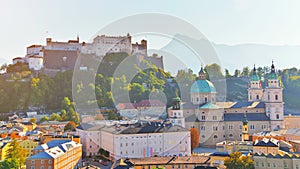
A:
[191,53]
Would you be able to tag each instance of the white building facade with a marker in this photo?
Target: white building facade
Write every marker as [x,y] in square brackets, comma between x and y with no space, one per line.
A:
[137,140]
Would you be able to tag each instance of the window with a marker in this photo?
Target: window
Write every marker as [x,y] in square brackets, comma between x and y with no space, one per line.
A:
[42,167]
[214,117]
[32,167]
[230,127]
[49,162]
[262,164]
[215,136]
[268,97]
[32,161]
[203,117]
[252,126]
[277,116]
[257,164]
[49,167]
[205,99]
[202,128]
[42,161]
[230,135]
[276,97]
[257,97]
[215,128]
[274,165]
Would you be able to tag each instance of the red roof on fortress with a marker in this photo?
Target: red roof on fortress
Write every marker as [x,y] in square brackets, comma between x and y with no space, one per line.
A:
[34,46]
[18,58]
[35,56]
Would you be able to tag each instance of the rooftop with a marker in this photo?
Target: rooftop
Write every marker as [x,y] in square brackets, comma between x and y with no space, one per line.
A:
[250,117]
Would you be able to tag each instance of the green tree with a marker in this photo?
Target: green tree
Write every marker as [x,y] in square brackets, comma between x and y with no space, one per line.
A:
[45,118]
[112,116]
[67,103]
[136,92]
[227,74]
[11,163]
[214,71]
[73,116]
[237,73]
[70,126]
[238,161]
[245,72]
[16,152]
[55,117]
[63,115]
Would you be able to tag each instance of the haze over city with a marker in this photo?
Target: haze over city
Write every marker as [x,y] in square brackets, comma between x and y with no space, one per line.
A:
[221,22]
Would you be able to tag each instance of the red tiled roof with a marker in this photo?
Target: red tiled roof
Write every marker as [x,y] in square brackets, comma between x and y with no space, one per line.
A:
[149,103]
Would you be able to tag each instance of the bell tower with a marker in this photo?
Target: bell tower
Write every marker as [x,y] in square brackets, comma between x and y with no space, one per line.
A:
[255,91]
[273,100]
[245,132]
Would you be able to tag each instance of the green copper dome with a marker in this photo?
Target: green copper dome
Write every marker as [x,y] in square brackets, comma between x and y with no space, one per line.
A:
[273,76]
[203,86]
[254,77]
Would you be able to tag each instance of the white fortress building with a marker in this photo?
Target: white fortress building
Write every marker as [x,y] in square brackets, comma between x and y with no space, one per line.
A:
[63,55]
[103,45]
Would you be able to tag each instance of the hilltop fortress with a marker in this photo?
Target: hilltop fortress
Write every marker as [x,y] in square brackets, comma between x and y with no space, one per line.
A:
[63,55]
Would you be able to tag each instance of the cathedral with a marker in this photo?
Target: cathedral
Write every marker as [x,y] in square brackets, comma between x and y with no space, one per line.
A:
[218,121]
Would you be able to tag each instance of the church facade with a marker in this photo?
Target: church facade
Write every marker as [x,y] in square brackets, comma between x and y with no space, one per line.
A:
[219,121]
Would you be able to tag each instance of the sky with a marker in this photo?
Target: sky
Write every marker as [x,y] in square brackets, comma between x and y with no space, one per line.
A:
[231,22]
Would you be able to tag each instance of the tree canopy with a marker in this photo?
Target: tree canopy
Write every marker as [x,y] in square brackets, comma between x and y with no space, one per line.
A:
[238,161]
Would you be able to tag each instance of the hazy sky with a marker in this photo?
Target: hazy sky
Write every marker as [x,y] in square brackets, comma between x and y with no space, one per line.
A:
[222,21]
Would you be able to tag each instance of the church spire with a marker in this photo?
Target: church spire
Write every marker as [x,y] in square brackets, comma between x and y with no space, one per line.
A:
[272,67]
[245,132]
[202,73]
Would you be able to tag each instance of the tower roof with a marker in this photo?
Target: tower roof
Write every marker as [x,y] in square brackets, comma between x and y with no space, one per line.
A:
[202,73]
[245,121]
[273,75]
[254,76]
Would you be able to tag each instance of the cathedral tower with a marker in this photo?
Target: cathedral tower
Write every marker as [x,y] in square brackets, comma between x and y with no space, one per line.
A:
[273,100]
[245,132]
[255,91]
